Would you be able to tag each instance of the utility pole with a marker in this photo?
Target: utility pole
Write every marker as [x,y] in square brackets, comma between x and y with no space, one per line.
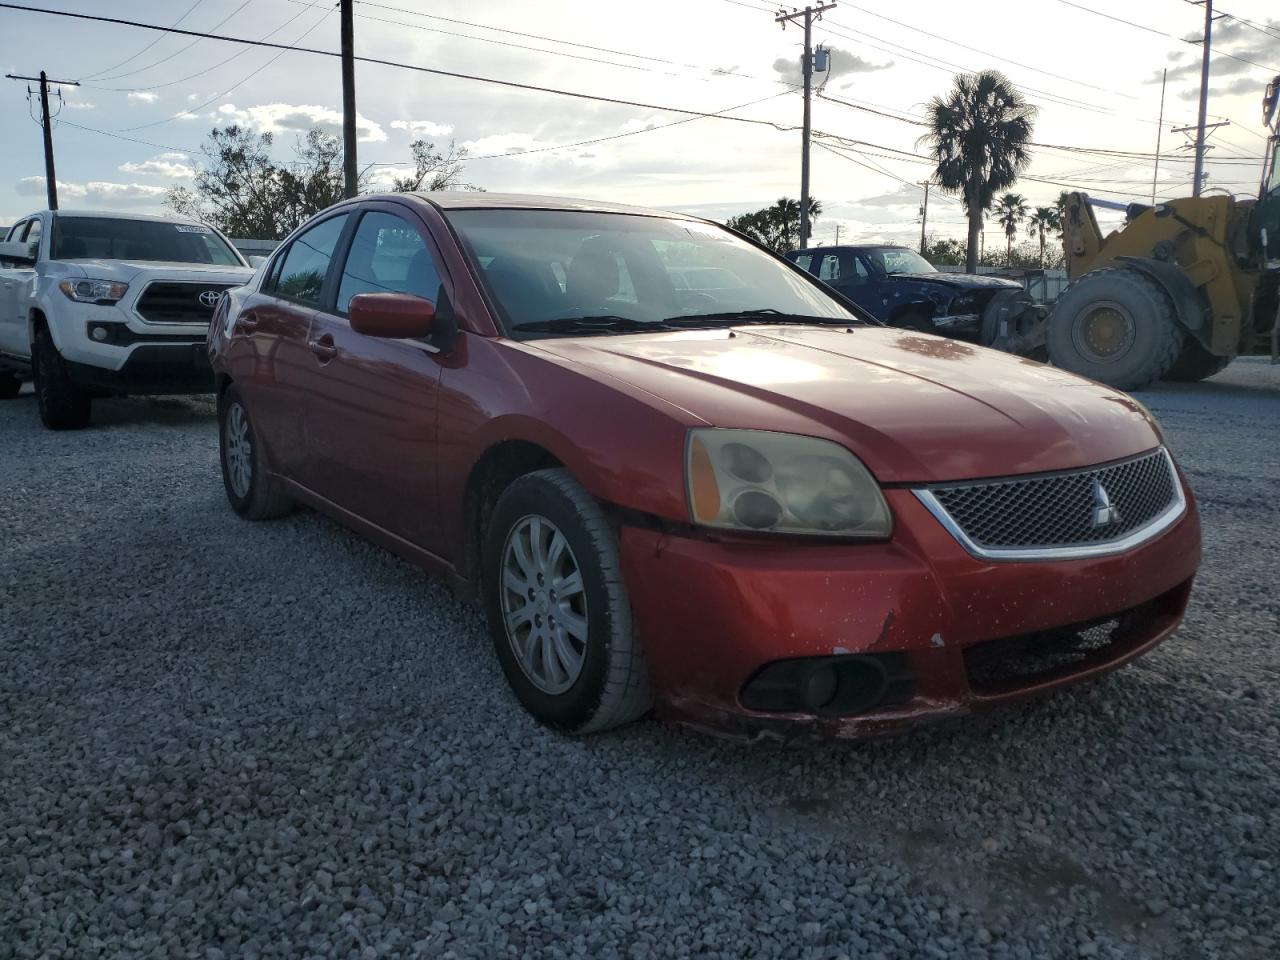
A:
[1204,97]
[1201,146]
[1159,130]
[837,234]
[50,178]
[350,176]
[924,215]
[809,14]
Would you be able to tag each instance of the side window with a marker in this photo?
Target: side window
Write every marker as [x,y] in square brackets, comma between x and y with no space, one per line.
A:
[805,262]
[860,271]
[388,255]
[830,268]
[33,232]
[15,232]
[306,262]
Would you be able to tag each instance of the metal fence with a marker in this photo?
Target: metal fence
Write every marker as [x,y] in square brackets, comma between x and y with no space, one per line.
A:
[1044,286]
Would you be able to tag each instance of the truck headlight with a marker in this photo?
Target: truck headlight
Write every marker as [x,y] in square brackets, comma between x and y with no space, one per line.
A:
[781,483]
[965,303]
[93,291]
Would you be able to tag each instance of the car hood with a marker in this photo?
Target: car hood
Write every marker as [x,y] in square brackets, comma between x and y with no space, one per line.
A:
[129,270]
[959,281]
[915,408]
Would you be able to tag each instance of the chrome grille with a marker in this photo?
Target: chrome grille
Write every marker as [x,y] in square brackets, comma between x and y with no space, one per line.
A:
[1080,512]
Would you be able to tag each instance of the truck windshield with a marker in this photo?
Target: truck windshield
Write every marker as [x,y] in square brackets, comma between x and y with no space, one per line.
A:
[899,260]
[634,271]
[114,238]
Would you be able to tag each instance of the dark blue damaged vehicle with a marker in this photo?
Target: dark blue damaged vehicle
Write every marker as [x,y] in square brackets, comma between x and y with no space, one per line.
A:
[901,288]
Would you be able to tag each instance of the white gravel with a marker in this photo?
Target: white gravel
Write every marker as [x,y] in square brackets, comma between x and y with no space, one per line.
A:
[222,740]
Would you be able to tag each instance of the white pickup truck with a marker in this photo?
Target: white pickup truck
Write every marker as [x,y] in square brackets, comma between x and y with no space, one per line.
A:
[105,304]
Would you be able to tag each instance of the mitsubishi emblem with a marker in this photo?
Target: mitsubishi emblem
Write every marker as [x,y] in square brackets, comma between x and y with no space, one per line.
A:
[1103,512]
[209,298]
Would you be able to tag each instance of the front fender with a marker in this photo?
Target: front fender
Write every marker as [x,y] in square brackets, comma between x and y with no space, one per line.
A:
[1189,304]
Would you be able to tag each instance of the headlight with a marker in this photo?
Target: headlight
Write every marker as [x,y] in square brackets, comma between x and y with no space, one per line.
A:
[965,303]
[93,291]
[781,483]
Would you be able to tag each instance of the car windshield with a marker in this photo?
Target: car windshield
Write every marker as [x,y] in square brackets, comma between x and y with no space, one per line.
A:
[114,238]
[899,260]
[618,273]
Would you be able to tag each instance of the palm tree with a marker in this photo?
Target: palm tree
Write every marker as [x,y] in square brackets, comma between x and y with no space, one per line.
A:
[979,135]
[1013,210]
[785,217]
[1042,220]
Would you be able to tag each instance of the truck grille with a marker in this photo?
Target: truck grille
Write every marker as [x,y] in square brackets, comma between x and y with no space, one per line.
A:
[178,301]
[1075,513]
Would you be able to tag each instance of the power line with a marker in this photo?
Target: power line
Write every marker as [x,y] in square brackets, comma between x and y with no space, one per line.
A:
[176,53]
[147,47]
[378,61]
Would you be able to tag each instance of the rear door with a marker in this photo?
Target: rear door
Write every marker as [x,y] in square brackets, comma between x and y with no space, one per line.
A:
[848,273]
[371,402]
[271,361]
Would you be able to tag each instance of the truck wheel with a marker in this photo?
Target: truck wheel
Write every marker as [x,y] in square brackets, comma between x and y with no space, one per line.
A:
[9,386]
[558,609]
[1021,316]
[63,405]
[1116,326]
[1196,363]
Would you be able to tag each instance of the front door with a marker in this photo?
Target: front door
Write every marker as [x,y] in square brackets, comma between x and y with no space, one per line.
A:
[371,403]
[16,280]
[848,273]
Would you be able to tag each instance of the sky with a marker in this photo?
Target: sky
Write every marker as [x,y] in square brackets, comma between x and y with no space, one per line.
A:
[147,101]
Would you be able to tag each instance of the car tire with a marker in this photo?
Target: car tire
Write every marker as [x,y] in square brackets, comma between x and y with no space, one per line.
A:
[63,405]
[1150,337]
[251,490]
[586,671]
[10,386]
[1196,363]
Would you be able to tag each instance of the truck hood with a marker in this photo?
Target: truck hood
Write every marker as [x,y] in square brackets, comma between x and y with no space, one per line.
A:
[915,408]
[130,270]
[960,281]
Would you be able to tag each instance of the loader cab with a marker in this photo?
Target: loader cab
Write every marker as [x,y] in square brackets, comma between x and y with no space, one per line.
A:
[1265,217]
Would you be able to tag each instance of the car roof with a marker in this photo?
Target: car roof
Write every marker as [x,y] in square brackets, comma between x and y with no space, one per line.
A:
[855,246]
[478,200]
[118,215]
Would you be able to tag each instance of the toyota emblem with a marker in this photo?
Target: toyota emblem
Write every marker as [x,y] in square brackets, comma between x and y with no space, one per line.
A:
[209,298]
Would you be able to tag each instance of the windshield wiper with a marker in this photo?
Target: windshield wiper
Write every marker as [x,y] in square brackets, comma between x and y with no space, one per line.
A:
[764,315]
[603,323]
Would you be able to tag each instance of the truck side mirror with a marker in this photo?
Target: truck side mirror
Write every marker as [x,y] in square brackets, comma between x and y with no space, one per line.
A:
[19,252]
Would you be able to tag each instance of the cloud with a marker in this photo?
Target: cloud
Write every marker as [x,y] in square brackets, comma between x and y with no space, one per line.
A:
[523,143]
[647,123]
[422,128]
[171,165]
[1243,85]
[98,190]
[843,63]
[275,117]
[79,105]
[142,96]
[186,115]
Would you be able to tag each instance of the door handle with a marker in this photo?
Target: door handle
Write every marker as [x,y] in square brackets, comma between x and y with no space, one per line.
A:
[323,348]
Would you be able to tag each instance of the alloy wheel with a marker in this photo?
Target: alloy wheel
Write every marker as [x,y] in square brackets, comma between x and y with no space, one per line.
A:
[1105,332]
[543,604]
[238,450]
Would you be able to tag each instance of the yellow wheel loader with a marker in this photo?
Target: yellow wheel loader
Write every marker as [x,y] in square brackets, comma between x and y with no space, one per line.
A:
[1177,292]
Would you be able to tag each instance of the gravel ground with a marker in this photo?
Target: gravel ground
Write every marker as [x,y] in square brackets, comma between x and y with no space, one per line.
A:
[221,739]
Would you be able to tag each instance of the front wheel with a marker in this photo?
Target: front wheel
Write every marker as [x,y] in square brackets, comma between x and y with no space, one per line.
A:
[1115,325]
[251,490]
[63,405]
[557,607]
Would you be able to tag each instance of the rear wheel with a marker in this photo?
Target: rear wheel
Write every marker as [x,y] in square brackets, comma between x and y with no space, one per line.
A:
[63,405]
[1117,326]
[251,490]
[1196,363]
[10,385]
[558,609]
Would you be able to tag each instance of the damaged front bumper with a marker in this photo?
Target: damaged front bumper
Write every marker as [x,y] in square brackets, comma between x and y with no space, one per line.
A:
[955,633]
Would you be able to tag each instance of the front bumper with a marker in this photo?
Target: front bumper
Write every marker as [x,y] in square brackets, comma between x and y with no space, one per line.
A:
[713,612]
[168,368]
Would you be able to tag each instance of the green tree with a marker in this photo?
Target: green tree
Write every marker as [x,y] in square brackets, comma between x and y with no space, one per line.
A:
[244,193]
[776,226]
[1043,220]
[979,136]
[1011,210]
[945,252]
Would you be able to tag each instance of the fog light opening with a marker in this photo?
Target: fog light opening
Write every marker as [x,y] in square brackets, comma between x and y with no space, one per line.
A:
[862,682]
[820,687]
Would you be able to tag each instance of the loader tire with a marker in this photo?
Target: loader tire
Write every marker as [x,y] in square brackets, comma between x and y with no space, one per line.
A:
[1196,363]
[1116,326]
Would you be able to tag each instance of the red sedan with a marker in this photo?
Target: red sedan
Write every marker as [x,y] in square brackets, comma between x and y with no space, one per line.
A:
[680,473]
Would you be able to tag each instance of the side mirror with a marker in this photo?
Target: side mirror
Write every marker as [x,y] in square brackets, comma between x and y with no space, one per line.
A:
[256,261]
[19,251]
[395,316]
